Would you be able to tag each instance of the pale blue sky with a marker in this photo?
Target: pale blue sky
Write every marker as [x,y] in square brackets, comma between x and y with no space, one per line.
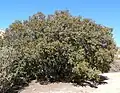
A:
[106,12]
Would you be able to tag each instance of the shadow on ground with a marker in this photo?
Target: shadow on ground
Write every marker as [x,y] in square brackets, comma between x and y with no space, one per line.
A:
[92,83]
[83,84]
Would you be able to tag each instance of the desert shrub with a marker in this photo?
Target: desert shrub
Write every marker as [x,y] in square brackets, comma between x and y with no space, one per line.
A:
[58,47]
[7,58]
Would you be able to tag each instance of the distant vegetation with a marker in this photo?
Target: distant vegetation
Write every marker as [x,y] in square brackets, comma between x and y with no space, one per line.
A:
[117,55]
[58,47]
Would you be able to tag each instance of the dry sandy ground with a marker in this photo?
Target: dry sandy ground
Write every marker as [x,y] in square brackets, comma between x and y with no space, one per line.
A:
[55,88]
[113,86]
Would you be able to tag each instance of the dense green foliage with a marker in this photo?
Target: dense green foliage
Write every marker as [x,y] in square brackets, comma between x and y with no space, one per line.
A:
[58,47]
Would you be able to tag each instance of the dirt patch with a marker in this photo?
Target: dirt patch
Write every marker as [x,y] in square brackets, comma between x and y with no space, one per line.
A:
[55,88]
